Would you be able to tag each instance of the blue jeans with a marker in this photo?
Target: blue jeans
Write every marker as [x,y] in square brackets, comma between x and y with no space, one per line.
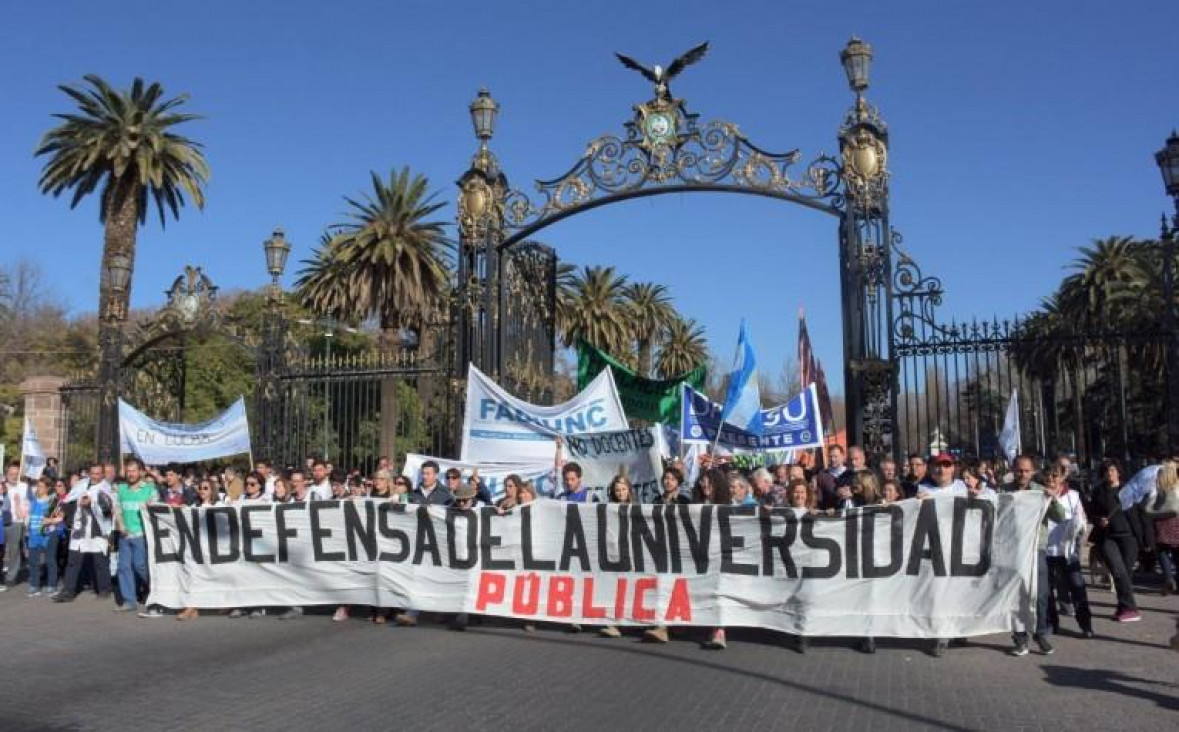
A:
[132,565]
[1168,555]
[38,556]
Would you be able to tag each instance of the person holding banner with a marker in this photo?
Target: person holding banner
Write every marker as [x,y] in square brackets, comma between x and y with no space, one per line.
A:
[253,494]
[714,489]
[89,513]
[15,520]
[1023,471]
[131,496]
[620,491]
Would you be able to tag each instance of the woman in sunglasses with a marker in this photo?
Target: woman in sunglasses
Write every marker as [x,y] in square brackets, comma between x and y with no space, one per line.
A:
[401,489]
[206,495]
[255,491]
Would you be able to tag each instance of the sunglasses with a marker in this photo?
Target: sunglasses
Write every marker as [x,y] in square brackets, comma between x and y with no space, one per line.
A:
[204,489]
[251,482]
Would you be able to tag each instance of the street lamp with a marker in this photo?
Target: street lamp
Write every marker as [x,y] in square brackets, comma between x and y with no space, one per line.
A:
[856,58]
[483,113]
[1168,162]
[118,278]
[277,250]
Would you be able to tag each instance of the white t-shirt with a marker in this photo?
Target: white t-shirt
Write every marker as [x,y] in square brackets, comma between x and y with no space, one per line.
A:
[956,488]
[322,491]
[18,499]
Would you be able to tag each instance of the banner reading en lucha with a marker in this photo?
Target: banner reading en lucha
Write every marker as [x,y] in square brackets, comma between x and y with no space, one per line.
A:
[944,567]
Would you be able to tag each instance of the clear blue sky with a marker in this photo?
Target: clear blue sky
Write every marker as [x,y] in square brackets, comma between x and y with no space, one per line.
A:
[1020,130]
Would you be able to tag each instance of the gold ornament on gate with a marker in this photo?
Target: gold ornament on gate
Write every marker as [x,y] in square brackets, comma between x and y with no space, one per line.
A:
[865,158]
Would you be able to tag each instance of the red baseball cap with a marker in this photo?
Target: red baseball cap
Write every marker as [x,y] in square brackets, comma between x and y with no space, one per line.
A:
[943,458]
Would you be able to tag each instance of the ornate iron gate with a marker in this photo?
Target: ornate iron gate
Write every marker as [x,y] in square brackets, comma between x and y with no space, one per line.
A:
[663,149]
[1089,394]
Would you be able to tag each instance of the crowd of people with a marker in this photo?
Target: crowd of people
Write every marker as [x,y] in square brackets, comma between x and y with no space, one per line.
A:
[60,530]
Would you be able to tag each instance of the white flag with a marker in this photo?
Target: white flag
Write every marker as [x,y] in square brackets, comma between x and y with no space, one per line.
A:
[31,452]
[1009,439]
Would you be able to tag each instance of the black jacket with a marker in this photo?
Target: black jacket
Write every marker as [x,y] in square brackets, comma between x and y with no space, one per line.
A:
[1104,504]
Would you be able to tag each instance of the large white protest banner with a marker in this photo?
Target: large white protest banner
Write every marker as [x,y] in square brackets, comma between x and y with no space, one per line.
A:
[943,567]
[157,443]
[500,428]
[604,455]
[492,474]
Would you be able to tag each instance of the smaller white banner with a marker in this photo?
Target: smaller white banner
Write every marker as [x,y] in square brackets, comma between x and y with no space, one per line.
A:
[158,443]
[31,452]
[499,428]
[604,455]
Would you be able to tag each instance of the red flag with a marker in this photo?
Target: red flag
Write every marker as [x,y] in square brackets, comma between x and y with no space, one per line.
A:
[811,371]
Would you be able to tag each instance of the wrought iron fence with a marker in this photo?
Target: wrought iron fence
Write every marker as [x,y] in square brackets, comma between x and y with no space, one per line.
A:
[354,409]
[1092,395]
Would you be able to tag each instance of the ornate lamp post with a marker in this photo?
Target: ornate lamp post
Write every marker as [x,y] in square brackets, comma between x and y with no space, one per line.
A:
[1168,162]
[117,278]
[869,374]
[276,249]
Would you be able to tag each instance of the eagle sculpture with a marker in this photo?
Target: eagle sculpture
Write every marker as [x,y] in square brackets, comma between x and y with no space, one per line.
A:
[660,76]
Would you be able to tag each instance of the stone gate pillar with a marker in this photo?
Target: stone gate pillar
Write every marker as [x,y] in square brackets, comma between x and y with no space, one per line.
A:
[42,396]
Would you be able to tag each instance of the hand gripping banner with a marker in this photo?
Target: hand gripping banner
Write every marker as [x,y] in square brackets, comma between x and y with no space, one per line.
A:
[949,566]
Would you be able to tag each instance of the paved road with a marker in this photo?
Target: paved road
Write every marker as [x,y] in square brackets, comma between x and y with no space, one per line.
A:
[82,666]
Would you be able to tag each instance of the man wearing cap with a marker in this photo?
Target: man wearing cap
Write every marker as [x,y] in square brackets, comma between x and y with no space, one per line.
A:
[944,483]
[465,501]
[944,480]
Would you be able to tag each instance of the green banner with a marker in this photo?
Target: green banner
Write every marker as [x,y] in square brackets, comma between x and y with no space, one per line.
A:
[653,400]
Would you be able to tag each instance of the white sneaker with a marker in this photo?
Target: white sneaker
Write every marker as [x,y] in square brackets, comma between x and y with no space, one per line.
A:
[152,612]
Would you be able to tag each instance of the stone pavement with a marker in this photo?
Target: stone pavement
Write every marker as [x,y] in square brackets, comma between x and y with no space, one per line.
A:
[82,666]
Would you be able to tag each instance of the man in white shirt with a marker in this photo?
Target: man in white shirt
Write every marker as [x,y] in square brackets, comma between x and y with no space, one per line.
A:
[321,486]
[944,481]
[267,471]
[17,492]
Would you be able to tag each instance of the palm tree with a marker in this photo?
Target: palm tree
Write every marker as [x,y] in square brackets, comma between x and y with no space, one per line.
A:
[123,143]
[389,260]
[321,286]
[649,311]
[684,348]
[598,314]
[1108,283]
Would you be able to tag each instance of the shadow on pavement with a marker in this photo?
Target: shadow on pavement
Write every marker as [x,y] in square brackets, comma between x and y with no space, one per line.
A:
[1114,682]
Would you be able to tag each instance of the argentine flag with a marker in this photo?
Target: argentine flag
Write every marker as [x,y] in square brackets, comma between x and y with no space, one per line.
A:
[743,401]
